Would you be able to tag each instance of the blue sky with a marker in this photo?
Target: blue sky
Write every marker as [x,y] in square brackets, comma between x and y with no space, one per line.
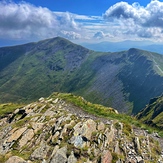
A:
[87,7]
[81,20]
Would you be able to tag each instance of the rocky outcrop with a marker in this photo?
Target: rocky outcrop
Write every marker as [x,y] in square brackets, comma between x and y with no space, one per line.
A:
[54,131]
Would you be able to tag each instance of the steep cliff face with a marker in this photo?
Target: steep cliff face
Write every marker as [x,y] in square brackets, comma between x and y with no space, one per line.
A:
[53,130]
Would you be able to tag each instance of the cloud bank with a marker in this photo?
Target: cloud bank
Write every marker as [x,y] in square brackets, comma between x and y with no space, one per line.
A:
[121,21]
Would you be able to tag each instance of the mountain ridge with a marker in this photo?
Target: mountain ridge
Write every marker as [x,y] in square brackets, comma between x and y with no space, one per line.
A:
[124,80]
[124,45]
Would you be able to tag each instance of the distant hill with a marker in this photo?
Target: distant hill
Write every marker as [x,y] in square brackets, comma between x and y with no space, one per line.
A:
[124,80]
[153,113]
[124,45]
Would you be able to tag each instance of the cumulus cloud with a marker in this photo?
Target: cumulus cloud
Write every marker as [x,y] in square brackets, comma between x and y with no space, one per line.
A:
[137,20]
[70,35]
[121,21]
[24,20]
[101,35]
[149,16]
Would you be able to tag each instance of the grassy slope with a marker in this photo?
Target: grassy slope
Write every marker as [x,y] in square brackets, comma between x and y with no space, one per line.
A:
[8,108]
[41,71]
[58,65]
[153,113]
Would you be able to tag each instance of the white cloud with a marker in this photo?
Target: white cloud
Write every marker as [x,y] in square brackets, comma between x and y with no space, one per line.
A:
[121,21]
[78,17]
[70,35]
[137,20]
[101,35]
[149,16]
[24,20]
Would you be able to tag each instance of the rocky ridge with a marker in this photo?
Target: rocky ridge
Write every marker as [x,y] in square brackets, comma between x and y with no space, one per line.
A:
[54,131]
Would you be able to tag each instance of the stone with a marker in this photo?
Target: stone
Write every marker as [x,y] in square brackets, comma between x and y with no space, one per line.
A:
[56,148]
[60,156]
[139,159]
[101,126]
[106,157]
[78,141]
[27,136]
[55,136]
[55,101]
[49,113]
[16,135]
[41,99]
[72,158]
[110,135]
[15,159]
[137,144]
[85,129]
[41,152]
[117,150]
[36,126]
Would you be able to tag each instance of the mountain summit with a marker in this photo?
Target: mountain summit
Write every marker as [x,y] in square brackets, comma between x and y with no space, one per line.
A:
[124,80]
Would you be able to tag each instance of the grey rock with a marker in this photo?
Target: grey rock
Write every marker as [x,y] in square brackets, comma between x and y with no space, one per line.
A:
[41,152]
[60,156]
[15,159]
[72,158]
[77,141]
[137,144]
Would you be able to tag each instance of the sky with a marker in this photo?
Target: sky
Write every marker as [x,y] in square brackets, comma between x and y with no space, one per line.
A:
[81,20]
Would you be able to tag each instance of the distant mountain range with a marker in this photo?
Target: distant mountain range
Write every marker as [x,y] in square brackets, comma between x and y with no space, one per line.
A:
[124,80]
[124,45]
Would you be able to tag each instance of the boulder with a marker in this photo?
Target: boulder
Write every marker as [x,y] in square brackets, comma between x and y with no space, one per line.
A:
[85,129]
[15,159]
[27,136]
[72,158]
[41,152]
[60,156]
[16,135]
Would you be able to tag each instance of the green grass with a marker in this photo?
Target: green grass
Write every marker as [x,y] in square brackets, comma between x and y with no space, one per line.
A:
[8,108]
[153,113]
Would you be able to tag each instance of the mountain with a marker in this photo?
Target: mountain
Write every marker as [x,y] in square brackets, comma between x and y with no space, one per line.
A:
[124,45]
[124,80]
[153,113]
[58,129]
